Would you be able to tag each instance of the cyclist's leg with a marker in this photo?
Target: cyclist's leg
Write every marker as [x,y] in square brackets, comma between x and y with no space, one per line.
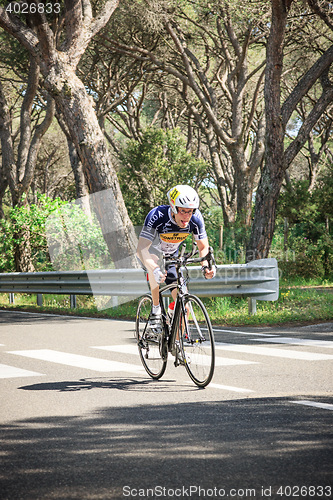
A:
[155,316]
[170,279]
[154,286]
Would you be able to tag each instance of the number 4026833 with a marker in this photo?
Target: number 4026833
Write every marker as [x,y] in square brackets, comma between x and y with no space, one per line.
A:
[305,491]
[32,8]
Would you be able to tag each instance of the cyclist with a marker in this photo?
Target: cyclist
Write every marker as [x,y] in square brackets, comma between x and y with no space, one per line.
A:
[165,228]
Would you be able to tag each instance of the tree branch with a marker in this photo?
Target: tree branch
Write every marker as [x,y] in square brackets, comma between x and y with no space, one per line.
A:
[103,16]
[25,123]
[36,142]
[305,84]
[317,9]
[309,123]
[14,26]
[73,22]
[8,162]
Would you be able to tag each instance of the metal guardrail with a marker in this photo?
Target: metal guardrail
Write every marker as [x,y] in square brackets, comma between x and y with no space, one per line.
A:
[258,280]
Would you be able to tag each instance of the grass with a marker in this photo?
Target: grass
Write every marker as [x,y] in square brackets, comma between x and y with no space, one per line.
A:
[300,301]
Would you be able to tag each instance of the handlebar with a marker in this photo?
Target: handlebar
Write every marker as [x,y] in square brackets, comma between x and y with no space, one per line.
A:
[182,259]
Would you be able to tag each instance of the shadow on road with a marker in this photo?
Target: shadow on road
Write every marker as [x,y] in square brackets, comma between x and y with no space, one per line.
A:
[121,384]
[251,443]
[23,317]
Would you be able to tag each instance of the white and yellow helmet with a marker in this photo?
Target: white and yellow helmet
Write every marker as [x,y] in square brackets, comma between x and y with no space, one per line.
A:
[183,196]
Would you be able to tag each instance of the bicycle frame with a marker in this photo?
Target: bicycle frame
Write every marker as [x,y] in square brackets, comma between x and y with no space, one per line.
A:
[192,345]
[182,292]
[171,329]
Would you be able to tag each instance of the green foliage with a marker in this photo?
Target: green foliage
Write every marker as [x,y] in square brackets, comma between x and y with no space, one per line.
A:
[213,221]
[308,263]
[33,218]
[73,239]
[310,238]
[152,166]
[296,203]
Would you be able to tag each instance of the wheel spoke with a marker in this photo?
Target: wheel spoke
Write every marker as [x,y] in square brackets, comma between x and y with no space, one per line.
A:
[197,342]
[150,346]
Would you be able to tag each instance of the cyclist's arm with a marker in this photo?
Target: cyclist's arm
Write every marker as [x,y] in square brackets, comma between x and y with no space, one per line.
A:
[203,247]
[144,255]
[150,261]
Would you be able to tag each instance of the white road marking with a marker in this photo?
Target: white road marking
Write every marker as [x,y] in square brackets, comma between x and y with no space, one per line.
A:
[324,406]
[132,349]
[64,316]
[296,341]
[7,371]
[270,351]
[125,349]
[78,361]
[229,388]
[246,333]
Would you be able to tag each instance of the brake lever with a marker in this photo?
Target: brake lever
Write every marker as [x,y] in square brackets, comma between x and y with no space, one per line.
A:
[182,251]
[210,258]
[211,261]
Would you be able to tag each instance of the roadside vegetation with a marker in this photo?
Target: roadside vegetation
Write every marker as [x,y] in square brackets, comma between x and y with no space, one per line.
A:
[300,301]
[170,92]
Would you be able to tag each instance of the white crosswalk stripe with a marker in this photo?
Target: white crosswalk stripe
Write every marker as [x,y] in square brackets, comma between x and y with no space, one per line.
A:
[275,352]
[79,361]
[229,388]
[7,371]
[314,404]
[132,349]
[238,332]
[133,364]
[298,341]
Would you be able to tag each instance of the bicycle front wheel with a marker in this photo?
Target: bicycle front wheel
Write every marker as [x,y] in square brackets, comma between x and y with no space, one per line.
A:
[197,341]
[151,347]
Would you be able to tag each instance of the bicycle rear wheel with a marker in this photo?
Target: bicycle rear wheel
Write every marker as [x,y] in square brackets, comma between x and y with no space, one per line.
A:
[197,341]
[151,347]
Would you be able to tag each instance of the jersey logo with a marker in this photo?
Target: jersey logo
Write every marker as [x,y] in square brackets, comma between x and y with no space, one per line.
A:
[174,237]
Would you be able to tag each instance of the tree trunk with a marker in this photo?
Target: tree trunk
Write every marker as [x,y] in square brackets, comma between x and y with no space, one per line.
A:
[244,187]
[22,251]
[58,54]
[277,160]
[3,187]
[76,107]
[228,201]
[273,172]
[81,188]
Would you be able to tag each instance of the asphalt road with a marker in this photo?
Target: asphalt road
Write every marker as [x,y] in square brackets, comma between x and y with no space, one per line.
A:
[80,419]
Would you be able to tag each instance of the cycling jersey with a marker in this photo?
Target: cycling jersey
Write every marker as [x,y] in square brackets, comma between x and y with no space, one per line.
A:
[165,234]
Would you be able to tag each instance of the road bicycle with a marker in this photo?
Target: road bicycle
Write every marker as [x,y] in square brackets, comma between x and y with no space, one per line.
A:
[188,335]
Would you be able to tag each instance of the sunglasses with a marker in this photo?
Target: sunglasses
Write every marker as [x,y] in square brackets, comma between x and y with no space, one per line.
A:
[182,211]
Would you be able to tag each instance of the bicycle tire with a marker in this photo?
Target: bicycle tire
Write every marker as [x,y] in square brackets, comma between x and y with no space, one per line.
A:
[152,351]
[197,341]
